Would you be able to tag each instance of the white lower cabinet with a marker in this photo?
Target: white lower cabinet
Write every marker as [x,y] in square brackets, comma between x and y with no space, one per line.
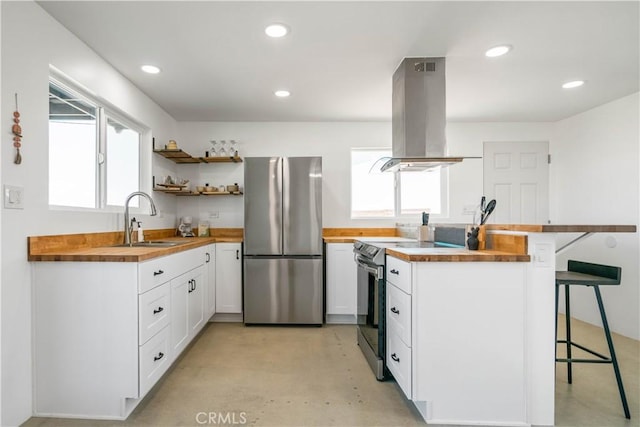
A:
[210,282]
[155,359]
[342,276]
[154,309]
[228,278]
[105,332]
[399,362]
[398,305]
[456,332]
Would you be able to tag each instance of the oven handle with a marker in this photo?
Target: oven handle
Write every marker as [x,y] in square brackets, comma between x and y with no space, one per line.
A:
[376,271]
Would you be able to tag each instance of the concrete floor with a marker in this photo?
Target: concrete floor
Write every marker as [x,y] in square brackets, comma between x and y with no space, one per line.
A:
[292,376]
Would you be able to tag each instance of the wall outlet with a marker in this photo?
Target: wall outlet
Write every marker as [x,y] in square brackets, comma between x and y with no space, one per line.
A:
[13,197]
[214,215]
[469,209]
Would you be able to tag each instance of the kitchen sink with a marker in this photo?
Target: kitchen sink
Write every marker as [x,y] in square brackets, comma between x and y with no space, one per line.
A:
[151,244]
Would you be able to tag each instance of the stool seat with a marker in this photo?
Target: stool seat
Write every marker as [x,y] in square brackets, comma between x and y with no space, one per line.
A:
[575,278]
[592,275]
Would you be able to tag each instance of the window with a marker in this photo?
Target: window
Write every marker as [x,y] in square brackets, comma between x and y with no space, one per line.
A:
[376,194]
[94,151]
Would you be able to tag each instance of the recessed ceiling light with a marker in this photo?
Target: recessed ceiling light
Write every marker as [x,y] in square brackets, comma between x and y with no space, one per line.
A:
[151,69]
[276,30]
[282,93]
[498,51]
[571,85]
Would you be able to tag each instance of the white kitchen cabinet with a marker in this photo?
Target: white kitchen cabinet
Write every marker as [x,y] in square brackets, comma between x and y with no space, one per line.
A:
[228,278]
[195,305]
[103,331]
[210,282]
[398,317]
[187,308]
[341,283]
[456,333]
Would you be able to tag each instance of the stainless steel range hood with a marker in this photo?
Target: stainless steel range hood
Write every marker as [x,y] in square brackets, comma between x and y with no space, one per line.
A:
[419,116]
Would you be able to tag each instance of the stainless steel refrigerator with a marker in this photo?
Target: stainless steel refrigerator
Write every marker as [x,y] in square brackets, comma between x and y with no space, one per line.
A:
[283,240]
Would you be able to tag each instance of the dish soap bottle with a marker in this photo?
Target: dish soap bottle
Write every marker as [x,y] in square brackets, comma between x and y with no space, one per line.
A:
[140,232]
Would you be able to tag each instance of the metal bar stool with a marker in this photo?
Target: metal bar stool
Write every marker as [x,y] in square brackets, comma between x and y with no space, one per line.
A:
[594,275]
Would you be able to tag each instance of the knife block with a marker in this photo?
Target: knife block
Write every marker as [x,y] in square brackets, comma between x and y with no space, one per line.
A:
[425,233]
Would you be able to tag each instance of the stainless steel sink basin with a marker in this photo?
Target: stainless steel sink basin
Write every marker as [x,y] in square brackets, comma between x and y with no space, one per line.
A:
[151,244]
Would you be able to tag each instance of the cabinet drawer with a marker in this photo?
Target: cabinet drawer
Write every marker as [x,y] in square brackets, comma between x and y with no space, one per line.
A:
[399,313]
[399,273]
[155,272]
[399,362]
[154,359]
[154,310]
[160,270]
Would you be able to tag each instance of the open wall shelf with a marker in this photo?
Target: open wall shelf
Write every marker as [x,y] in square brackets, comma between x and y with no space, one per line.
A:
[180,156]
[195,193]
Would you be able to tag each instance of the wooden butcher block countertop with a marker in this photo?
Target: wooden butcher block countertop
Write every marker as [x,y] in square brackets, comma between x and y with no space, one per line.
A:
[103,247]
[560,228]
[454,255]
[350,235]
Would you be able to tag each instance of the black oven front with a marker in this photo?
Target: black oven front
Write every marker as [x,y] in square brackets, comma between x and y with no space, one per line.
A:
[371,314]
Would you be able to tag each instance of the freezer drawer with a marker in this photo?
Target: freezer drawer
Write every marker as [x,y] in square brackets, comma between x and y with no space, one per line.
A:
[283,290]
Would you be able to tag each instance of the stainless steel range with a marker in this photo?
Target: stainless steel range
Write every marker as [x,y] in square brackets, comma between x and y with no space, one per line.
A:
[371,291]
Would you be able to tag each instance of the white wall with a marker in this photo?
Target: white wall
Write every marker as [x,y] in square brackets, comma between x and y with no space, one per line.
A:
[31,40]
[333,141]
[595,180]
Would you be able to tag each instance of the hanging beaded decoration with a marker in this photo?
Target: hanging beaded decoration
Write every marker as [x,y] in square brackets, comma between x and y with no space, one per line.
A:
[16,129]
[17,133]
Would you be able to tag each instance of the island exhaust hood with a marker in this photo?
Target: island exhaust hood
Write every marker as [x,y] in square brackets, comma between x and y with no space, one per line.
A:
[419,116]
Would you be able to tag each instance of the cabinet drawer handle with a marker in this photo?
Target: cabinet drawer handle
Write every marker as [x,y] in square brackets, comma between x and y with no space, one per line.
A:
[157,273]
[395,358]
[395,310]
[158,357]
[237,254]
[158,310]
[195,284]
[394,271]
[208,257]
[191,286]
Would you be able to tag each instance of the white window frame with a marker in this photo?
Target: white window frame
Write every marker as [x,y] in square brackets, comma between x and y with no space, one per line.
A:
[397,182]
[106,109]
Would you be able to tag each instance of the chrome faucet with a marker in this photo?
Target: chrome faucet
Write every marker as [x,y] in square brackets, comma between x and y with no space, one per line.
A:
[127,225]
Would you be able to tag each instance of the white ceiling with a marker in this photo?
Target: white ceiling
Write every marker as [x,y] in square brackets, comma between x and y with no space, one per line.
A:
[338,60]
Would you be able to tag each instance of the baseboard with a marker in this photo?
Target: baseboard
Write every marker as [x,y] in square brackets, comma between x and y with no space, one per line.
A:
[346,319]
[227,317]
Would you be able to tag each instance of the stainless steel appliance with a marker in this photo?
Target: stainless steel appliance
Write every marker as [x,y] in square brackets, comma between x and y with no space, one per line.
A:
[371,290]
[283,273]
[418,103]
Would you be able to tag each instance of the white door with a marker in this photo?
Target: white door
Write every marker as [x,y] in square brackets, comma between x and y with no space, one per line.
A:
[342,276]
[210,279]
[516,174]
[179,312]
[228,278]
[195,306]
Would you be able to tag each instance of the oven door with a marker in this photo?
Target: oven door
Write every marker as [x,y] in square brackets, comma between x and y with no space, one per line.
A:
[371,325]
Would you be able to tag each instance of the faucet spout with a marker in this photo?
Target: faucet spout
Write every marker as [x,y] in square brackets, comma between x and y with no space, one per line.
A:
[127,224]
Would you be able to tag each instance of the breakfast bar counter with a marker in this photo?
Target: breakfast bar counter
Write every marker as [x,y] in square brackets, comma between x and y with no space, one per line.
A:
[501,363]
[454,255]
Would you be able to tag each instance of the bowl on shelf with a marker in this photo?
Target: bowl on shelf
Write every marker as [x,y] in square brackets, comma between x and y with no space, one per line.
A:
[200,189]
[233,188]
[210,189]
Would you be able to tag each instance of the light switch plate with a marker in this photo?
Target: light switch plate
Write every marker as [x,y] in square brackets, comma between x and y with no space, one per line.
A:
[13,197]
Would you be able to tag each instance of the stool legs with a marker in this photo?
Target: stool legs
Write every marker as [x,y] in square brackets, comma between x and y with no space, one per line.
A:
[567,321]
[612,352]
